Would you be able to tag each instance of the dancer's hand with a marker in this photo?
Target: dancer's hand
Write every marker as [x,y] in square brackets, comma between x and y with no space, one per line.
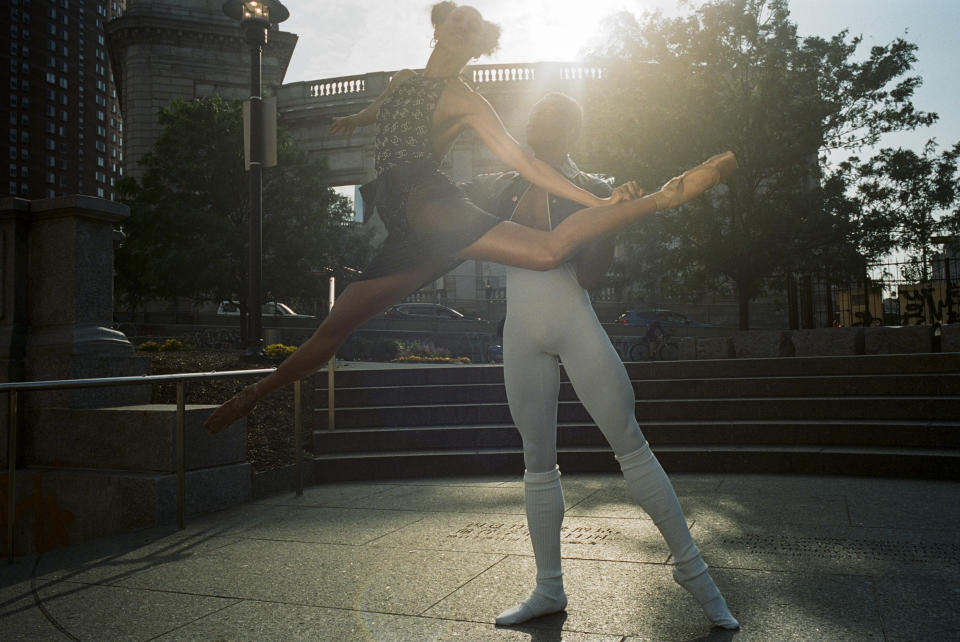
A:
[344,125]
[626,192]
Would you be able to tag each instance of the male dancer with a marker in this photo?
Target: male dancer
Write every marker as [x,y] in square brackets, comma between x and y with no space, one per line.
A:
[549,315]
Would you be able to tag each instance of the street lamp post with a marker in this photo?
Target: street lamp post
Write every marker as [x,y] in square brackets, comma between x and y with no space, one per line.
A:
[255,18]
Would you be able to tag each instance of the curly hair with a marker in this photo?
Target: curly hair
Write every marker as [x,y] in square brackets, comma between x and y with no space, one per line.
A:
[490,39]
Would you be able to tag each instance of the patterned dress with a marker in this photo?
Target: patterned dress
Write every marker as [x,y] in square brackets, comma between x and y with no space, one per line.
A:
[426,215]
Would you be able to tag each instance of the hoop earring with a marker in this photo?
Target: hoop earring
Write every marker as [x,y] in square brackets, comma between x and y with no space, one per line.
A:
[433,43]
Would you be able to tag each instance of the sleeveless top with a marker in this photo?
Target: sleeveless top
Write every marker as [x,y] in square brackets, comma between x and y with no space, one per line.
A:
[405,160]
[404,123]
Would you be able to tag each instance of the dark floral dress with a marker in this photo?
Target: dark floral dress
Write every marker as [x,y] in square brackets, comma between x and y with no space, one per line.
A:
[426,215]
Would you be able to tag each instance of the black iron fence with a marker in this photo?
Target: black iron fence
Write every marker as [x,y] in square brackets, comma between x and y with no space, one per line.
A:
[894,293]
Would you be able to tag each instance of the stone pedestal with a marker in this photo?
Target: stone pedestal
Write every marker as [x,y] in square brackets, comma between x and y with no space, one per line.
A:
[71,274]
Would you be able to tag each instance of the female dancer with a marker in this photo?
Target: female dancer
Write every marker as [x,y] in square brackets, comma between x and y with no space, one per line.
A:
[549,315]
[431,224]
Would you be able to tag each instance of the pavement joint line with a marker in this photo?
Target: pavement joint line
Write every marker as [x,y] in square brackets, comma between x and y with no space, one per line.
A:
[39,602]
[463,584]
[185,624]
[396,530]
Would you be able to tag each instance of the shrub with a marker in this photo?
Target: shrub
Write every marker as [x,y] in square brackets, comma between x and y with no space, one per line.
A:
[279,351]
[174,344]
[149,346]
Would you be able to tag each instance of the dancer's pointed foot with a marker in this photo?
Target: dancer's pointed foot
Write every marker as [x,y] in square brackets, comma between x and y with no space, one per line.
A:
[703,588]
[694,182]
[537,605]
[236,407]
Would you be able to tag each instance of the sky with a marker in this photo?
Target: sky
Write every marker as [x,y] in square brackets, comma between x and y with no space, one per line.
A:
[349,37]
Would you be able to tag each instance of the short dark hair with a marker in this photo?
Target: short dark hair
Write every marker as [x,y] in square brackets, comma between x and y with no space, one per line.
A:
[570,111]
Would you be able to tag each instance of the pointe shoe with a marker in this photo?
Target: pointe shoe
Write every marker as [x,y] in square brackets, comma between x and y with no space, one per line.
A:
[696,181]
[240,405]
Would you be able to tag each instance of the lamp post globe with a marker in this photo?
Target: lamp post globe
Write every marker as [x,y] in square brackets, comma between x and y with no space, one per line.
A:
[255,18]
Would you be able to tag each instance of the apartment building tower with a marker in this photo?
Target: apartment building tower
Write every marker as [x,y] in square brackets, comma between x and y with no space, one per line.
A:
[65,130]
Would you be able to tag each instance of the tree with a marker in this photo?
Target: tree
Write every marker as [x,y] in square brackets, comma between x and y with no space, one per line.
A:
[735,75]
[903,199]
[187,234]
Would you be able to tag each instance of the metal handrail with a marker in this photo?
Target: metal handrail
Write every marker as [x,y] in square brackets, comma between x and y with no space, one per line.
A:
[13,389]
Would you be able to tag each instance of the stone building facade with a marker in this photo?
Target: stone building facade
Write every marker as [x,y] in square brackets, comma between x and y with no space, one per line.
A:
[166,49]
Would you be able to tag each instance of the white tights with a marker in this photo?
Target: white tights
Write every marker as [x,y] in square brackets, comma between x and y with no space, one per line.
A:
[549,316]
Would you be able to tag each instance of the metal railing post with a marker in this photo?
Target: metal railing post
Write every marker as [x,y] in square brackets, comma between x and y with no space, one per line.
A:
[297,434]
[12,470]
[181,466]
[331,367]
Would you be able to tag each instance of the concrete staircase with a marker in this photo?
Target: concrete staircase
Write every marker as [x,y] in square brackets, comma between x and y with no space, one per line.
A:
[882,415]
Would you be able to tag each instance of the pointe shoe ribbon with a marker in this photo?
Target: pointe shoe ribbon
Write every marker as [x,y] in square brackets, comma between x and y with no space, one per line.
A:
[696,181]
[240,405]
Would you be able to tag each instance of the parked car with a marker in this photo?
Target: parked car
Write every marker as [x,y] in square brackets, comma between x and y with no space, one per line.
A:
[425,311]
[270,308]
[666,318]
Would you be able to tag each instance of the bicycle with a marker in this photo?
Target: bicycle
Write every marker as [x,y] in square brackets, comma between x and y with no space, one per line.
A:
[660,349]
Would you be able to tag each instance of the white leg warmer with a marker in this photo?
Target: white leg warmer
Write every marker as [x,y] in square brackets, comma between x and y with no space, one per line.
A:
[544,504]
[650,488]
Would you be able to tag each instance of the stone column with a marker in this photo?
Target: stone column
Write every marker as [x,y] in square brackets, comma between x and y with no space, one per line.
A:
[14,239]
[70,303]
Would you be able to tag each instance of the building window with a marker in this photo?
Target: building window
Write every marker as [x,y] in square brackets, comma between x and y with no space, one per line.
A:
[13,100]
[51,77]
[64,164]
[51,161]
[51,111]
[24,172]
[13,171]
[101,161]
[25,154]
[50,193]
[51,178]
[24,190]
[63,83]
[101,192]
[51,128]
[13,153]
[12,187]
[13,135]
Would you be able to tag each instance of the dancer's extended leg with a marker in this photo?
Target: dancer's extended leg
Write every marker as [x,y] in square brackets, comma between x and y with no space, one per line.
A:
[650,488]
[511,244]
[359,302]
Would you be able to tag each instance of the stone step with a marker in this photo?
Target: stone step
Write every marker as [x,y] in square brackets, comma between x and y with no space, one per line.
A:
[862,385]
[712,368]
[838,433]
[814,460]
[932,408]
[136,438]
[62,506]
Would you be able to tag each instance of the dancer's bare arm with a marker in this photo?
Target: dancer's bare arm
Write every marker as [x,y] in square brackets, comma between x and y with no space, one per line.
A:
[347,124]
[482,118]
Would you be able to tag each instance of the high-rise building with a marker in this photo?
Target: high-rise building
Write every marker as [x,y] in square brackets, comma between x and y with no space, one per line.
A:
[65,131]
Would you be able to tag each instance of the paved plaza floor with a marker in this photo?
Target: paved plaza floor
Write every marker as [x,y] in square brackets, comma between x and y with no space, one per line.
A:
[798,558]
